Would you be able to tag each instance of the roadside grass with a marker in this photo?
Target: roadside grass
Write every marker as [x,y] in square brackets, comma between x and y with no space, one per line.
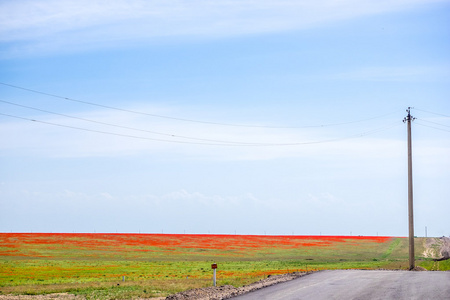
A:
[431,265]
[93,266]
[236,273]
[112,289]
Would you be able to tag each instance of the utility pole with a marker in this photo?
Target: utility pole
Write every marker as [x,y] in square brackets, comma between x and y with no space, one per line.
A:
[408,121]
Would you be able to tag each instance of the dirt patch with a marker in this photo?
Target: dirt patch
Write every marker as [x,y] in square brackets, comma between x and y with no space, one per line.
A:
[418,268]
[228,291]
[437,248]
[430,251]
[444,249]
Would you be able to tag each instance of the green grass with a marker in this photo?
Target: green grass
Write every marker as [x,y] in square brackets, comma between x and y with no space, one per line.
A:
[173,277]
[96,272]
[435,266]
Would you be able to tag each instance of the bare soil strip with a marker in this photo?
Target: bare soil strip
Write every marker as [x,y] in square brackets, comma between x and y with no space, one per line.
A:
[228,291]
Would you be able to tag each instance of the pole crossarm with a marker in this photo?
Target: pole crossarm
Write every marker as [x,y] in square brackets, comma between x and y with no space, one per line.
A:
[409,118]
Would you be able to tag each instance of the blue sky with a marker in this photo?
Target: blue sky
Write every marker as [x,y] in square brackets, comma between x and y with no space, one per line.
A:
[268,117]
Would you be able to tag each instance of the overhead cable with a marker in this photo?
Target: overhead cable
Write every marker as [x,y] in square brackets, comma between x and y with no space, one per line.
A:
[436,123]
[442,129]
[106,132]
[237,144]
[125,127]
[434,113]
[188,120]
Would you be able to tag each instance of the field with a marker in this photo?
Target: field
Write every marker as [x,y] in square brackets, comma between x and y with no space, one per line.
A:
[120,266]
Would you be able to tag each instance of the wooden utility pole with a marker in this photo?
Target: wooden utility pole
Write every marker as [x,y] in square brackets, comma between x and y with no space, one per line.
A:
[408,120]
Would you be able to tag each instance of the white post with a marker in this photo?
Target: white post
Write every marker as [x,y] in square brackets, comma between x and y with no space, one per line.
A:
[214,267]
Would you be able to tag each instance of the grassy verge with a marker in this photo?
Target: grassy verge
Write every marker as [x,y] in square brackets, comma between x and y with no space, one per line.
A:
[96,272]
[236,273]
[435,265]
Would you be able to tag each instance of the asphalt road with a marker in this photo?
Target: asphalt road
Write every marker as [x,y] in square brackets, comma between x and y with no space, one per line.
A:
[359,284]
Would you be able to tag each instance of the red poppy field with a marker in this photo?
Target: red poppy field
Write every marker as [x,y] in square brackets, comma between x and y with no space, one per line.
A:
[83,263]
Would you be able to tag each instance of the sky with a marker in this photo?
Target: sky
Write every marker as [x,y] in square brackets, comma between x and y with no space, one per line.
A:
[225,117]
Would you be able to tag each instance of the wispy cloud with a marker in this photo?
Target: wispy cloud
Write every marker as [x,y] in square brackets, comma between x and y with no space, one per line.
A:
[393,74]
[138,135]
[58,25]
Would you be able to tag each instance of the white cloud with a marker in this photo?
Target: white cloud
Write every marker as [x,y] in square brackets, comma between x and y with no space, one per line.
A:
[393,74]
[57,25]
[197,141]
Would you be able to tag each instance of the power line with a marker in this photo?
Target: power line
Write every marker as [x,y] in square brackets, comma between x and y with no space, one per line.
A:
[108,133]
[434,113]
[125,127]
[236,144]
[188,120]
[418,123]
[433,122]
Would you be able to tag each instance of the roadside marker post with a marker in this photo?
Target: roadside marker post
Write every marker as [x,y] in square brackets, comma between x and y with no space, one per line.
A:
[214,267]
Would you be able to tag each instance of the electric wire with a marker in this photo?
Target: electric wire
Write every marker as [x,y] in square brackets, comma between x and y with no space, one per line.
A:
[126,127]
[188,120]
[434,113]
[433,122]
[442,129]
[106,132]
[209,144]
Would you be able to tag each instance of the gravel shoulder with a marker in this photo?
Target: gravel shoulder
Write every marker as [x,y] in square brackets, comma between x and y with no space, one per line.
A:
[228,291]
